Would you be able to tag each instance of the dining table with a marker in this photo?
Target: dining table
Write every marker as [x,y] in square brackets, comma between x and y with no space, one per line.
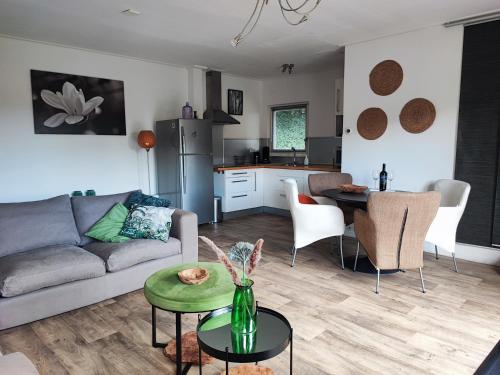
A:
[354,201]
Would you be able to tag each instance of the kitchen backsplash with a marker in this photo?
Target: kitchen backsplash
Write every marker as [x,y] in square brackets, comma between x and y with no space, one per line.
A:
[321,150]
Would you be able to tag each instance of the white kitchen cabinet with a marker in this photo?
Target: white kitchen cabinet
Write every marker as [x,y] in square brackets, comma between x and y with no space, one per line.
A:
[243,189]
[274,195]
[239,189]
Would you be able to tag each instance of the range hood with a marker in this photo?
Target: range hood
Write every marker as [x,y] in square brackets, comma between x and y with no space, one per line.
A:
[214,110]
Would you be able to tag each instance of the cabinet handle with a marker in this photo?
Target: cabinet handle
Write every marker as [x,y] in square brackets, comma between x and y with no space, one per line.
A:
[283,195]
[240,196]
[233,182]
[235,173]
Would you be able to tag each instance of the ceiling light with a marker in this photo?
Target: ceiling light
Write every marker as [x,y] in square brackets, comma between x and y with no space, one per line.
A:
[293,14]
[130,12]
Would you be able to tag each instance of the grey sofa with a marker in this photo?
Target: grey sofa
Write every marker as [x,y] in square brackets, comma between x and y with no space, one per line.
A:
[48,266]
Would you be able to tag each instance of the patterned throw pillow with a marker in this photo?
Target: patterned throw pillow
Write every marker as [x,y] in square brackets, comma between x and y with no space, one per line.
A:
[145,200]
[148,222]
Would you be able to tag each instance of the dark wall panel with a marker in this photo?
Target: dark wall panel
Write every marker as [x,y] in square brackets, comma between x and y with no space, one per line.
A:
[478,133]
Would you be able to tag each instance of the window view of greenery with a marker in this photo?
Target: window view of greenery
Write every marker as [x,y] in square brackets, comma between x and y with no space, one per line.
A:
[289,128]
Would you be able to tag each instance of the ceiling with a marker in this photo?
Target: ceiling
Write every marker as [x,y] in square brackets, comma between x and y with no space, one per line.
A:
[197,32]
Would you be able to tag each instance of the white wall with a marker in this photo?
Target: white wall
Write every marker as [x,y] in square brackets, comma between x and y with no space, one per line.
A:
[39,166]
[431,61]
[249,127]
[315,88]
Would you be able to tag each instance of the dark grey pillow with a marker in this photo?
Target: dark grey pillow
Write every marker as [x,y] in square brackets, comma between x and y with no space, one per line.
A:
[30,225]
[88,210]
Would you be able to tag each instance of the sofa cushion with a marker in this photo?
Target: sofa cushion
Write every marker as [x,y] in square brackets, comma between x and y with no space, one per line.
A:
[148,222]
[52,265]
[107,229]
[30,225]
[123,255]
[138,197]
[88,210]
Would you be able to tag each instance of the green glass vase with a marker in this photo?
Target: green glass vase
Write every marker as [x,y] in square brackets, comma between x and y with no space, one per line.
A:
[244,313]
[243,343]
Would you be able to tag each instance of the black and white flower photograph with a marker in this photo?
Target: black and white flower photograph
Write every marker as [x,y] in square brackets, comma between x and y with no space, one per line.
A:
[74,104]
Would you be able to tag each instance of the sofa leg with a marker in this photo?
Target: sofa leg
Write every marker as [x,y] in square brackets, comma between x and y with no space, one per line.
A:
[436,248]
[378,281]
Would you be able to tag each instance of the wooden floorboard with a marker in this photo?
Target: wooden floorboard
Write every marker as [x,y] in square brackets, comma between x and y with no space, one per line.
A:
[340,325]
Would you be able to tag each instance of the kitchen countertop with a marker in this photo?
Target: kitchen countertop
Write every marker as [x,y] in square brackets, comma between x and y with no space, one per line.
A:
[313,167]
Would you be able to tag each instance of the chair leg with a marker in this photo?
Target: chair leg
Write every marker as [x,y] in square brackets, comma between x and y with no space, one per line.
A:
[436,248]
[294,252]
[356,259]
[422,280]
[341,252]
[455,263]
[378,281]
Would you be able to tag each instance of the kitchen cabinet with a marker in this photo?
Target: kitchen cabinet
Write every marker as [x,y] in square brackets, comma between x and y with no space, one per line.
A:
[239,189]
[242,189]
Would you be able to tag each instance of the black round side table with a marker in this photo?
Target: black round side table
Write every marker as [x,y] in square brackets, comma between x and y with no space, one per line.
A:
[272,336]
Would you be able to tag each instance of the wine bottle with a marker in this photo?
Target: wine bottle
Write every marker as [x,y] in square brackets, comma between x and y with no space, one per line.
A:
[383,179]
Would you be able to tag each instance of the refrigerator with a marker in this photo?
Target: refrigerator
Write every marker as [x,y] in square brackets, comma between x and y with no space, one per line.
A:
[184,165]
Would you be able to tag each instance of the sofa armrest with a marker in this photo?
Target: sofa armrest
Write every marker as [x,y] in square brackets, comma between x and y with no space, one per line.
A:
[185,229]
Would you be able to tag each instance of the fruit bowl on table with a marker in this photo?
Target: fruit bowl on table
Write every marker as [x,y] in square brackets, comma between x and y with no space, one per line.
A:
[350,188]
[193,276]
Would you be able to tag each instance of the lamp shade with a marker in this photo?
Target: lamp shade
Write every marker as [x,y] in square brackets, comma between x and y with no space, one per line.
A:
[146,139]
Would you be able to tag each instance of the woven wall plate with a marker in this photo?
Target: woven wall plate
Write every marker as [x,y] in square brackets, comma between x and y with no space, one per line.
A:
[386,77]
[417,115]
[372,123]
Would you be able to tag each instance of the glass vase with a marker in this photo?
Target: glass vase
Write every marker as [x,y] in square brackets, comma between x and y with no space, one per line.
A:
[244,313]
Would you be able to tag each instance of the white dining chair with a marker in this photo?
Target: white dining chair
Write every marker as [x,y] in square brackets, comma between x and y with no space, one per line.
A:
[443,231]
[312,222]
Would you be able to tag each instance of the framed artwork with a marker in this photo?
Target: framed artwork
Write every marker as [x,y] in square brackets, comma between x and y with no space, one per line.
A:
[74,104]
[235,102]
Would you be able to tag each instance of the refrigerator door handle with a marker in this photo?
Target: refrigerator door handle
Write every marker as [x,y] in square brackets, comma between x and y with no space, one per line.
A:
[184,174]
[183,151]
[183,141]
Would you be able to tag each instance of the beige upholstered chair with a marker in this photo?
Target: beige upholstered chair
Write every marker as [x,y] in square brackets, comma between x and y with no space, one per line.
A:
[323,181]
[393,230]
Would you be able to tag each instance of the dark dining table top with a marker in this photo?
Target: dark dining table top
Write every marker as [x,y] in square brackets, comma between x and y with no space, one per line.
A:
[357,200]
[353,198]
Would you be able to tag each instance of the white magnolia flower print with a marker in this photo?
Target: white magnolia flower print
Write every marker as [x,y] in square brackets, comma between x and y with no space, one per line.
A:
[72,102]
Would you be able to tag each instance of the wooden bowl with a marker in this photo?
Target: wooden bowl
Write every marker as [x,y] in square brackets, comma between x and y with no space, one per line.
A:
[350,188]
[193,276]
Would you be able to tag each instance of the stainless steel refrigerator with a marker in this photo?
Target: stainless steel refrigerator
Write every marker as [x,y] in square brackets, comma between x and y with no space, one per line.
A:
[184,165]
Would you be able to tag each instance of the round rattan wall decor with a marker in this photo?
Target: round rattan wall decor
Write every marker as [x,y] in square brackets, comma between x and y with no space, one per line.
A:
[372,123]
[386,77]
[417,115]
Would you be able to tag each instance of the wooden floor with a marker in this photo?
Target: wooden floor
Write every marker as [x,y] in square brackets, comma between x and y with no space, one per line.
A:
[341,326]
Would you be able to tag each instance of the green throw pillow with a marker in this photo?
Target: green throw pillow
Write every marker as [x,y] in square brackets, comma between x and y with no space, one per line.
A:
[148,222]
[108,228]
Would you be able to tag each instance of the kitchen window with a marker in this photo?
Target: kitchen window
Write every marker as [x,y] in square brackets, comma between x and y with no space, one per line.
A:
[289,127]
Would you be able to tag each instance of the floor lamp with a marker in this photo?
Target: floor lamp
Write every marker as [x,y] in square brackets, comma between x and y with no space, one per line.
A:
[147,140]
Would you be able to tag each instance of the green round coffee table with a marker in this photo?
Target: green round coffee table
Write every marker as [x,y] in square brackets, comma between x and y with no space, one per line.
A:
[165,291]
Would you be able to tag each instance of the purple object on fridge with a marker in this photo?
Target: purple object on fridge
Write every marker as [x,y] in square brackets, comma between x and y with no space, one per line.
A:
[187,111]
